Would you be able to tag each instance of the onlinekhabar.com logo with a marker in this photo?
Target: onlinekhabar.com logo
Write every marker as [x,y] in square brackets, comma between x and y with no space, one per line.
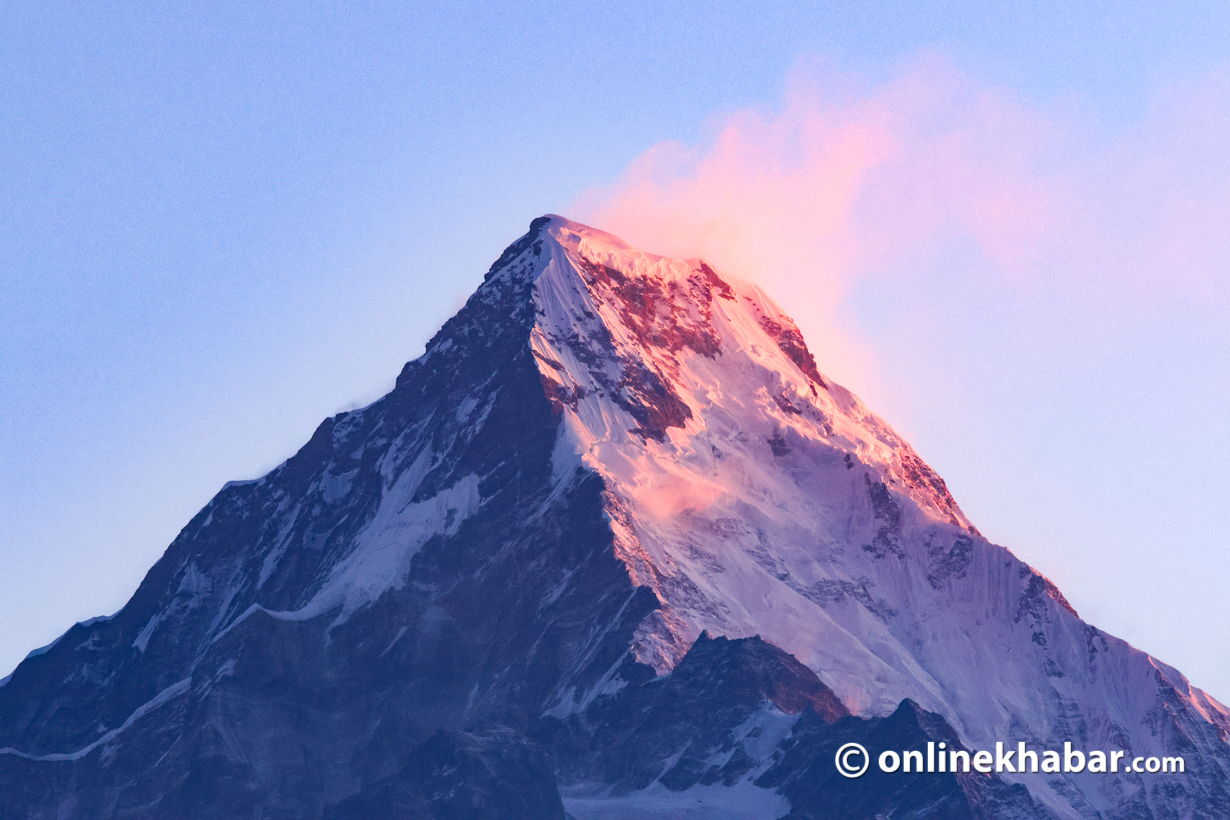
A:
[853,760]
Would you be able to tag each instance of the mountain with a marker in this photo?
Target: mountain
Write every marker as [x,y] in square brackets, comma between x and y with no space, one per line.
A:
[612,547]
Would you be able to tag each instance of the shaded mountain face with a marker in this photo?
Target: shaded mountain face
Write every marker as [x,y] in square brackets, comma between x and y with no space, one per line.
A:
[612,547]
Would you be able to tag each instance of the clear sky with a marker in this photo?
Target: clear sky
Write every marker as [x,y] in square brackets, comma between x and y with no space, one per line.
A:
[1007,229]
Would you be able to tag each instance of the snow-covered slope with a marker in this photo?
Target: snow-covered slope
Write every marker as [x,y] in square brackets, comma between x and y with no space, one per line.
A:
[489,588]
[755,497]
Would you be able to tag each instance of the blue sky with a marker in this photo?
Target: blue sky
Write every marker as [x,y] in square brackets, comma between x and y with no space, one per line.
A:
[220,223]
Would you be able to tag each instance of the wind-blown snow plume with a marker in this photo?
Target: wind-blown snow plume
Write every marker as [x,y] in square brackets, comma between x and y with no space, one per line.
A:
[846,183]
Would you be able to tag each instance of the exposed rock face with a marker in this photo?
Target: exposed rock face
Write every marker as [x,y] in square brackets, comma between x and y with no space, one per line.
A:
[612,547]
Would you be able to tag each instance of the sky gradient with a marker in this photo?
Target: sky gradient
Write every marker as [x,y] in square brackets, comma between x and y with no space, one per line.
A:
[1007,231]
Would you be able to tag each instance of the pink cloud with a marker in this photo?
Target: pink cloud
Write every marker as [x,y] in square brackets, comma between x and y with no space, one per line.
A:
[842,186]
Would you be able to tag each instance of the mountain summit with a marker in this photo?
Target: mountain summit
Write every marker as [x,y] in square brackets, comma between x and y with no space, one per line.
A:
[612,547]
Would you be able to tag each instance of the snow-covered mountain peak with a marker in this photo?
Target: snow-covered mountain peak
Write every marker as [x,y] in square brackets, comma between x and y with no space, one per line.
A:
[604,455]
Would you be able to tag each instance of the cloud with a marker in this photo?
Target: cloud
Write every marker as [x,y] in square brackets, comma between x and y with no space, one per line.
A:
[935,185]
